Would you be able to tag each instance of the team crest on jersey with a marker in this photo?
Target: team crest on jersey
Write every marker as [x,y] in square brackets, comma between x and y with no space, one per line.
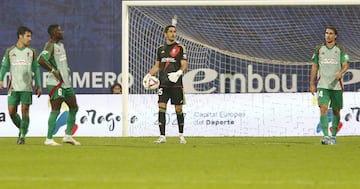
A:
[175,51]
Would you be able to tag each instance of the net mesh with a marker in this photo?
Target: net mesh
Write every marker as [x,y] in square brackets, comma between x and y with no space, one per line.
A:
[234,49]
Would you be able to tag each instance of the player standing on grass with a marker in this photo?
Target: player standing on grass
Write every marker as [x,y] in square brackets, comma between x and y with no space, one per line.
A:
[21,60]
[53,58]
[330,64]
[171,62]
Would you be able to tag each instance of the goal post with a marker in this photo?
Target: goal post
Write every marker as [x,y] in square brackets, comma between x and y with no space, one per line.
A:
[271,50]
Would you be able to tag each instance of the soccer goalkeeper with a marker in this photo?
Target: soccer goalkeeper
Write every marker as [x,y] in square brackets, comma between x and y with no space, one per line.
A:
[171,62]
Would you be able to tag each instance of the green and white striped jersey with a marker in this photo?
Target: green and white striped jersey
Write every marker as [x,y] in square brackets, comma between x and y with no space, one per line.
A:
[22,63]
[329,61]
[56,55]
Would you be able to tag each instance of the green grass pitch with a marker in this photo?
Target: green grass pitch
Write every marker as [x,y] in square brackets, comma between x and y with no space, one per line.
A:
[205,162]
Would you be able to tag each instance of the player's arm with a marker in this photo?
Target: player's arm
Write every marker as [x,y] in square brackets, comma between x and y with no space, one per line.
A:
[313,72]
[5,64]
[155,69]
[344,63]
[44,62]
[314,69]
[36,69]
[44,58]
[344,68]
[183,65]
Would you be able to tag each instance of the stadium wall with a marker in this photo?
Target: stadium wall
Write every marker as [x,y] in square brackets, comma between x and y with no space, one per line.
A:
[266,114]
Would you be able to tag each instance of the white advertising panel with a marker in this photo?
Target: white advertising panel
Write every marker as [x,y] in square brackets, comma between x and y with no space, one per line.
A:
[270,114]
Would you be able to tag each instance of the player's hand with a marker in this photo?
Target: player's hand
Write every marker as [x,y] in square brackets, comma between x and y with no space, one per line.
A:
[39,92]
[338,75]
[1,84]
[145,80]
[312,89]
[174,76]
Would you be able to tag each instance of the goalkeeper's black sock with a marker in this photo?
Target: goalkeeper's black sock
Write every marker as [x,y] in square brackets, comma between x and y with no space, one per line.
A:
[162,121]
[180,120]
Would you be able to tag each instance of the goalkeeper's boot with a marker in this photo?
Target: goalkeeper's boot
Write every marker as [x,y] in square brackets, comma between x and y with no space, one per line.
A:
[182,139]
[333,140]
[161,139]
[69,139]
[51,142]
[325,140]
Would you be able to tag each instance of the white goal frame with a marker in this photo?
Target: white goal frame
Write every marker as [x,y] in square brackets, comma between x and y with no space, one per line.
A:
[125,30]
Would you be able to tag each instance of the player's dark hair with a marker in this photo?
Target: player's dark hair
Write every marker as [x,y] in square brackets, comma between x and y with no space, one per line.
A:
[21,31]
[52,28]
[332,28]
[168,27]
[113,86]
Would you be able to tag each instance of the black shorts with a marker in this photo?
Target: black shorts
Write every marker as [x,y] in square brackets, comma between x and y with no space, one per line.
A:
[176,94]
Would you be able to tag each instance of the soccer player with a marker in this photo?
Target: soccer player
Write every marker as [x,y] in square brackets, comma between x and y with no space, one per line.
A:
[330,64]
[53,58]
[21,60]
[171,62]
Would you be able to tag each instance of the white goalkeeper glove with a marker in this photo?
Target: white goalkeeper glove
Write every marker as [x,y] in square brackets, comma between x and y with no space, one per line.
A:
[145,80]
[174,76]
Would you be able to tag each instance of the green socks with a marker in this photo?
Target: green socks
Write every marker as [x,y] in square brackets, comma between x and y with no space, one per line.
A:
[70,122]
[24,125]
[335,124]
[52,123]
[324,124]
[16,120]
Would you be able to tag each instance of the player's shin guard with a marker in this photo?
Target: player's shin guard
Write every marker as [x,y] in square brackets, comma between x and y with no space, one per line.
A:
[16,120]
[70,122]
[180,120]
[335,124]
[52,123]
[324,124]
[162,121]
[24,125]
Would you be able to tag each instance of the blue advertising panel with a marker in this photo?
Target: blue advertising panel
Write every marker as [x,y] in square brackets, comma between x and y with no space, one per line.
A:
[92,36]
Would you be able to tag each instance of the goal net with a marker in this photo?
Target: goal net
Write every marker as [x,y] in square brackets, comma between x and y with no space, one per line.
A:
[237,47]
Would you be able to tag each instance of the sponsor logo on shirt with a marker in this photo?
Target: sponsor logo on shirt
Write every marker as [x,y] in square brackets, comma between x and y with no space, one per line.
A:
[328,61]
[168,59]
[62,58]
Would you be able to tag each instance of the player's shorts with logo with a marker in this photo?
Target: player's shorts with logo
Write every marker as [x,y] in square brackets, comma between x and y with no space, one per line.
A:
[176,94]
[334,97]
[56,92]
[15,97]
